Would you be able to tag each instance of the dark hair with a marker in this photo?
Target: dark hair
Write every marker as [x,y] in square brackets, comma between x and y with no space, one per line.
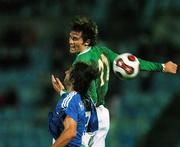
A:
[88,28]
[82,76]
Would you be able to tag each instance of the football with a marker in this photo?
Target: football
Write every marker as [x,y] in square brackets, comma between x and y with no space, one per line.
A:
[126,66]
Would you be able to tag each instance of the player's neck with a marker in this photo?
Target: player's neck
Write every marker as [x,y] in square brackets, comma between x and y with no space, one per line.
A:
[70,88]
[85,50]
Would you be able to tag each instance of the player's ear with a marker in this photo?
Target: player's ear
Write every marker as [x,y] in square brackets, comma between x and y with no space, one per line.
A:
[87,42]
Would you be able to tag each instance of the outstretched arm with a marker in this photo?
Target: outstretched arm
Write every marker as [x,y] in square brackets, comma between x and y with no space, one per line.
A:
[168,67]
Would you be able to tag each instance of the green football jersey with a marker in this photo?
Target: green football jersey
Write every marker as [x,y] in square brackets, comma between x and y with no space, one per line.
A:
[102,59]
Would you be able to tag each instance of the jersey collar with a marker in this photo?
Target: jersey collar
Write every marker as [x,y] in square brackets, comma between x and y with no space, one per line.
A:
[85,51]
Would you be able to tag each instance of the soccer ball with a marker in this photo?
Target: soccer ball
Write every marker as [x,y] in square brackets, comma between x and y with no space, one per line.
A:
[126,66]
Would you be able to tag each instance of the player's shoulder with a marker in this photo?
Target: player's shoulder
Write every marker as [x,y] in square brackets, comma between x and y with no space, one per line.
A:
[70,98]
[76,97]
[99,47]
[76,102]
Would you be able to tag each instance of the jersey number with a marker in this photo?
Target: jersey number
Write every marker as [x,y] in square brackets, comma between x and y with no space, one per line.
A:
[88,115]
[101,63]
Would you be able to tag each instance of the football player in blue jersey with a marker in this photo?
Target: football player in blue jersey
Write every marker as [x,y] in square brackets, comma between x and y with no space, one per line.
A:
[69,121]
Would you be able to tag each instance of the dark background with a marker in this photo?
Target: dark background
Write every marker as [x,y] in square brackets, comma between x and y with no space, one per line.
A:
[34,44]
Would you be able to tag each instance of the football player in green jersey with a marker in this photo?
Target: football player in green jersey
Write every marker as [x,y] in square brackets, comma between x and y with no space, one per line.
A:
[82,41]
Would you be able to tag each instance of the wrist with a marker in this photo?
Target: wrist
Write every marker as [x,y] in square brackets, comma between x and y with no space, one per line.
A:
[62,92]
[163,65]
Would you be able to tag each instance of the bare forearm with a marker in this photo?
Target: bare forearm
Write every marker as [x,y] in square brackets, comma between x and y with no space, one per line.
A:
[63,139]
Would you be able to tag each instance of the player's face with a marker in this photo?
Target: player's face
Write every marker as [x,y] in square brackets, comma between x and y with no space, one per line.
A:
[76,42]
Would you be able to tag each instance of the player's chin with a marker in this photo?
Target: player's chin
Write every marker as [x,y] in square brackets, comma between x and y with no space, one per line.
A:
[72,50]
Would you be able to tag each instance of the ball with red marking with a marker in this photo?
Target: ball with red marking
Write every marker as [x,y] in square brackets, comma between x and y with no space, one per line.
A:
[126,66]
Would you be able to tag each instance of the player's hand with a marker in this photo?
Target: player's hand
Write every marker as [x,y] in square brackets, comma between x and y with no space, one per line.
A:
[57,85]
[170,67]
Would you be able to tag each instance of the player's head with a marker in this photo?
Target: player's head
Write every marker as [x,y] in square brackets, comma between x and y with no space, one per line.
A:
[80,76]
[83,33]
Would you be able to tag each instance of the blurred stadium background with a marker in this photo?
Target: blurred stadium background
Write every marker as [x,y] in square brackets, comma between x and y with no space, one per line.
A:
[33,45]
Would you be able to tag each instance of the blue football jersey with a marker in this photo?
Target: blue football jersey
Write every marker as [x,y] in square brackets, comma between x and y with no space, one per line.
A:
[70,104]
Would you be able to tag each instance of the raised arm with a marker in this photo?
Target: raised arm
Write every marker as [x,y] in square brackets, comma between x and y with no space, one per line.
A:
[57,85]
